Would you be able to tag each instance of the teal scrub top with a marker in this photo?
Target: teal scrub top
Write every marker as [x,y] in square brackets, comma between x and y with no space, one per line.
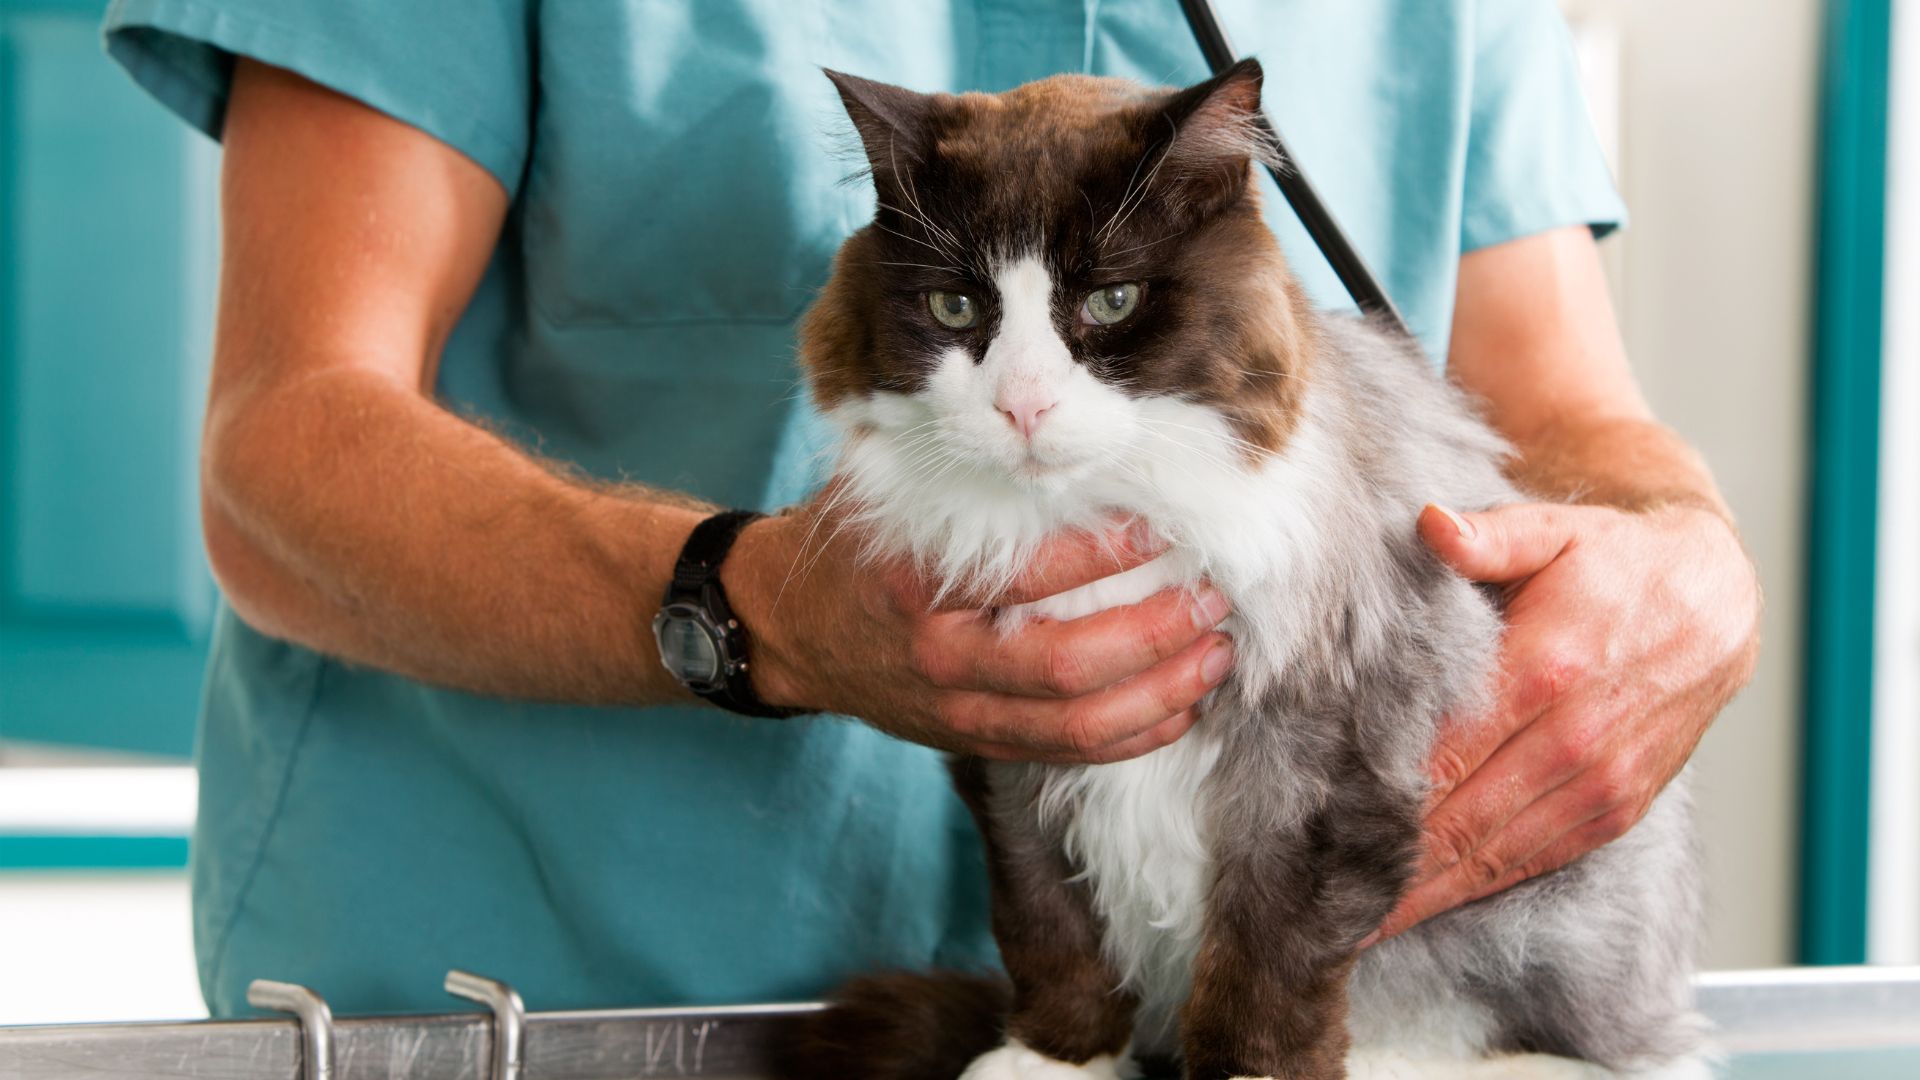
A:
[675,170]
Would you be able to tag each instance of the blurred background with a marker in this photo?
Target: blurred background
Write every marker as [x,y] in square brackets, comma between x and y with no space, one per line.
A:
[1769,288]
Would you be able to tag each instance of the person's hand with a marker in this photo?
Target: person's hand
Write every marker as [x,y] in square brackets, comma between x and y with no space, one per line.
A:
[834,631]
[1627,632]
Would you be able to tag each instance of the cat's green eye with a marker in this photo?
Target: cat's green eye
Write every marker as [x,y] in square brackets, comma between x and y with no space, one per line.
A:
[1109,305]
[953,310]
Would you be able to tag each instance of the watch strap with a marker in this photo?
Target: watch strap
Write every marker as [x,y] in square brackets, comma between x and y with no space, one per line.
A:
[706,548]
[696,580]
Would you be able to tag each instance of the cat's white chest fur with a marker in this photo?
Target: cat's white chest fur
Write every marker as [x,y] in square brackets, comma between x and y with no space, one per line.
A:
[1140,835]
[1138,828]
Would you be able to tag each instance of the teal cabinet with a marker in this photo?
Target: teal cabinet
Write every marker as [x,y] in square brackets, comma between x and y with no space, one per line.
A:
[107,272]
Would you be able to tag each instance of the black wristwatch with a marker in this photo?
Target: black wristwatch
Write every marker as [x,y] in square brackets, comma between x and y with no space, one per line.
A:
[701,643]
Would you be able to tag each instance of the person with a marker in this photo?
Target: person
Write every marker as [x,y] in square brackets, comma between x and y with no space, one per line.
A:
[506,310]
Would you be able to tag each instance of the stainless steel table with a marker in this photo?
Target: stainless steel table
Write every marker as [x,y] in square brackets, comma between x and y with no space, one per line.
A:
[1852,1023]
[1823,1023]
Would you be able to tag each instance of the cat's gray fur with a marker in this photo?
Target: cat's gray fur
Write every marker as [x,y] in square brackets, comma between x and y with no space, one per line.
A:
[1313,807]
[1321,778]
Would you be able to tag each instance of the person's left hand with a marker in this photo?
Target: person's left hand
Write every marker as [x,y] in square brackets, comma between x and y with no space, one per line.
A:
[1626,634]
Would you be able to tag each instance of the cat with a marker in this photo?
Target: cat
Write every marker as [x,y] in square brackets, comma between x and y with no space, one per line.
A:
[1067,307]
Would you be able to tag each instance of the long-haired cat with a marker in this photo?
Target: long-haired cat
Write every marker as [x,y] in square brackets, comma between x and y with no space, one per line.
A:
[1068,307]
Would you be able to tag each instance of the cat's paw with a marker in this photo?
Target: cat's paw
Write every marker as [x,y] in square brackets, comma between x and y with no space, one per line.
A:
[1015,1061]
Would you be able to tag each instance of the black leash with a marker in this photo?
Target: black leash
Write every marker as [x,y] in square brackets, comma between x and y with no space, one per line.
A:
[1327,235]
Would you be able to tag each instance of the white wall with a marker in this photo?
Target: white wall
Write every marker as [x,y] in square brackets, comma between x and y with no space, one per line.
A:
[1893,930]
[83,947]
[1717,123]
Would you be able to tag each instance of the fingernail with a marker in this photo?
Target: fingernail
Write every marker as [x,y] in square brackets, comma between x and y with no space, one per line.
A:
[1214,667]
[1464,526]
[1209,608]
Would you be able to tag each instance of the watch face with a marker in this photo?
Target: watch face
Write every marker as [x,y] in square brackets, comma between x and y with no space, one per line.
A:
[687,647]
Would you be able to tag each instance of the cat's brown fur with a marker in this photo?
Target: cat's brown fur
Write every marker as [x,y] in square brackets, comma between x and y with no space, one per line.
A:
[1081,151]
[1068,1003]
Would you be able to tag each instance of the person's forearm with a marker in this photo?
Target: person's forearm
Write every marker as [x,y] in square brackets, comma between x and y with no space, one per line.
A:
[1629,463]
[348,513]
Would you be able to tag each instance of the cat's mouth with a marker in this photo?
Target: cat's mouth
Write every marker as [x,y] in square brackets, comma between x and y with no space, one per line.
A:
[1049,470]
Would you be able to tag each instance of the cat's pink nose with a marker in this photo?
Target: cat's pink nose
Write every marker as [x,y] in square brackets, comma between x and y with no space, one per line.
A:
[1023,410]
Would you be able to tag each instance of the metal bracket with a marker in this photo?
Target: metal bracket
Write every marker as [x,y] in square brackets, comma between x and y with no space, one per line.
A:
[316,1022]
[509,1018]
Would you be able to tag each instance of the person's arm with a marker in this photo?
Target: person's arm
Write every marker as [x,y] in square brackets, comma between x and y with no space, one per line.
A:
[1633,610]
[346,510]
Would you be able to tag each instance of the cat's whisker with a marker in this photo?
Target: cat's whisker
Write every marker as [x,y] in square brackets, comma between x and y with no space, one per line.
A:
[1202,449]
[933,231]
[918,266]
[1133,470]
[1225,435]
[1156,456]
[920,441]
[916,457]
[912,196]
[1252,449]
[926,468]
[923,454]
[1146,185]
[948,463]
[1125,194]
[918,436]
[834,499]
[928,447]
[910,239]
[923,445]
[915,429]
[793,393]
[1137,247]
[832,534]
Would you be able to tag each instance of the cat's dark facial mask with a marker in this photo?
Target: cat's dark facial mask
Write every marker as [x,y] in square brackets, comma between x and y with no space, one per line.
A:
[1054,270]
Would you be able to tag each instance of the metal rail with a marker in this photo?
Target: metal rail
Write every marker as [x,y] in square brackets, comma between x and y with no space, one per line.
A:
[621,1044]
[1826,1010]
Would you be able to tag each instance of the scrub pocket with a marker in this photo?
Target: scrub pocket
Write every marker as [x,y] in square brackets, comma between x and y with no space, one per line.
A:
[704,184]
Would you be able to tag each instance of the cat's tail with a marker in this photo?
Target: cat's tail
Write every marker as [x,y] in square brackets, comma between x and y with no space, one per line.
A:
[899,1026]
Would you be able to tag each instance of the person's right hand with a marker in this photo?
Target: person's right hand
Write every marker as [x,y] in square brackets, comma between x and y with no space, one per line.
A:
[834,631]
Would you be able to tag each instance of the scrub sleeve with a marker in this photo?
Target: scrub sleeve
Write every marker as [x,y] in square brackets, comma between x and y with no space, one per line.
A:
[1533,162]
[457,71]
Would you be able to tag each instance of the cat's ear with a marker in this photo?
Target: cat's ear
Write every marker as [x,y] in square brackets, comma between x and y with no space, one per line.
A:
[1213,136]
[892,121]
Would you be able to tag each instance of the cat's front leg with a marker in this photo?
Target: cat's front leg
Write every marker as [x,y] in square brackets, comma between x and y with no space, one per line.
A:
[1286,912]
[1241,1025]
[1071,1017]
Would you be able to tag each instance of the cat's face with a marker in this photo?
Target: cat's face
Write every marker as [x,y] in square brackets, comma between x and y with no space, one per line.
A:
[1057,278]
